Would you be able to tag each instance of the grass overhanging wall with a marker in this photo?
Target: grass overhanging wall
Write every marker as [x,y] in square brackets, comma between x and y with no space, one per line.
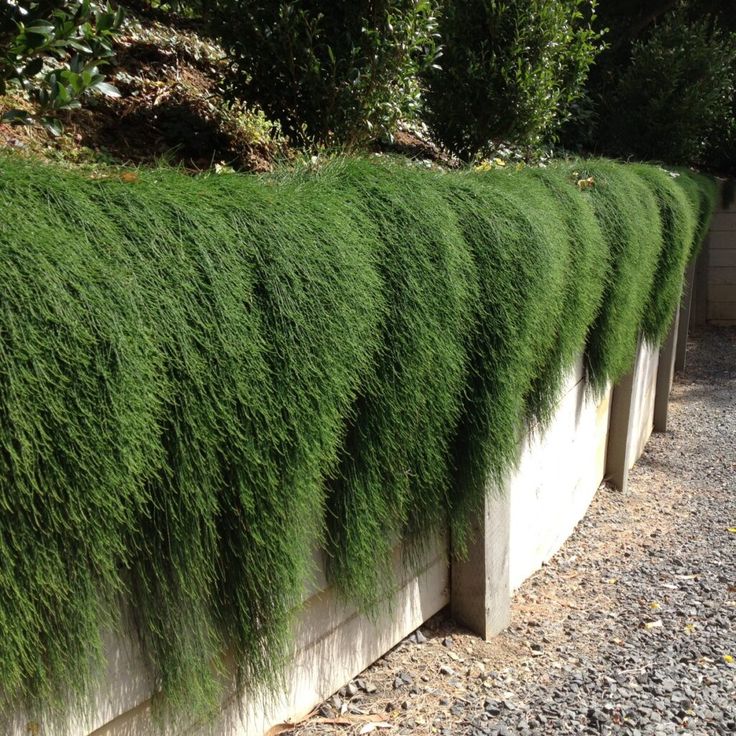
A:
[203,378]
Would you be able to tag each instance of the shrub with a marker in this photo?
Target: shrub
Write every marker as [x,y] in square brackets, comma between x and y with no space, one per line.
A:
[204,378]
[53,49]
[508,70]
[672,94]
[341,72]
[720,152]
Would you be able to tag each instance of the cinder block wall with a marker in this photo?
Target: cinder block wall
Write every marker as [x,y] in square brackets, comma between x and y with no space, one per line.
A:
[719,271]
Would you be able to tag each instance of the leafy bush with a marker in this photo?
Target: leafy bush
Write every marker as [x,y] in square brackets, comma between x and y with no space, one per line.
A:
[344,72]
[203,378]
[673,93]
[53,49]
[509,70]
[720,152]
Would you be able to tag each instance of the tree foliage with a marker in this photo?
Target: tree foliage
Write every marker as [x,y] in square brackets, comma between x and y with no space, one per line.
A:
[342,72]
[664,87]
[509,70]
[53,49]
[674,93]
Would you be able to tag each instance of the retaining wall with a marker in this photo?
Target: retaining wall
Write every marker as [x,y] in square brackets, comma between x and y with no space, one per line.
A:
[559,471]
[721,273]
[558,474]
[333,642]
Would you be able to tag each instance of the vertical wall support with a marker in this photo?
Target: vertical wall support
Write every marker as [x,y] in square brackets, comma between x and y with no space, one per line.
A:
[480,590]
[620,430]
[665,374]
[684,317]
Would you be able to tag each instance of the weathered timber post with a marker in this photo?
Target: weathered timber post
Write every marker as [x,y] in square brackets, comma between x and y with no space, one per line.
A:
[480,590]
[665,374]
[684,317]
[620,429]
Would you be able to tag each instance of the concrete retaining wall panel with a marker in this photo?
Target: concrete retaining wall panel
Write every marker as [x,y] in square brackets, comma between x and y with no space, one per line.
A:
[333,643]
[559,472]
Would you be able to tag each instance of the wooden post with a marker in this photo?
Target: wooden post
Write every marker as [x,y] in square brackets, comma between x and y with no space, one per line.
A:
[684,318]
[619,431]
[480,590]
[665,373]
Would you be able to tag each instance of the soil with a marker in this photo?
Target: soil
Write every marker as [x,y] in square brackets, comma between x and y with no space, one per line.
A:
[171,109]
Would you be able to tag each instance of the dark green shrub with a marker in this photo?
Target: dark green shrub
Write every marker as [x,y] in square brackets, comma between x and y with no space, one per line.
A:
[720,152]
[53,49]
[508,70]
[672,94]
[343,72]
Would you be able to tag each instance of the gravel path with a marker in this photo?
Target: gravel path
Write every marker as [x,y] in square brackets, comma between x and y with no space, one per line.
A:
[630,629]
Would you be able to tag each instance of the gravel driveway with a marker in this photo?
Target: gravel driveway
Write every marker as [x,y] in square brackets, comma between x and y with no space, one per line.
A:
[630,629]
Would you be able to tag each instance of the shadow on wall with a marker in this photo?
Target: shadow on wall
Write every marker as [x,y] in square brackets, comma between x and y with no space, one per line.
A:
[333,643]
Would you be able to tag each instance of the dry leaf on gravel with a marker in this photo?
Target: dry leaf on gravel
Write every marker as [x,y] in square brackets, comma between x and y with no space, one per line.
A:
[374,725]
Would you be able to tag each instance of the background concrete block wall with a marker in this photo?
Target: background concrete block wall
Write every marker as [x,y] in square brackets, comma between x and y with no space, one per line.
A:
[715,271]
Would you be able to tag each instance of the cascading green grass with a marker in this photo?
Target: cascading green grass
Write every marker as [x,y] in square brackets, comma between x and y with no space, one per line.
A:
[202,379]
[521,253]
[395,472]
[679,222]
[586,270]
[702,193]
[627,210]
[241,338]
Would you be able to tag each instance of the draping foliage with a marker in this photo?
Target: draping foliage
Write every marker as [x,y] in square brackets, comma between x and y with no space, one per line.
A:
[204,378]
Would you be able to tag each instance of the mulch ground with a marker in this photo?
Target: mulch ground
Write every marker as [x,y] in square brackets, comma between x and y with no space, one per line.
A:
[630,628]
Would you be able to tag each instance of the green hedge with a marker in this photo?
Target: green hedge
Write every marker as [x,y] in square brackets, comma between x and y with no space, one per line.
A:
[203,378]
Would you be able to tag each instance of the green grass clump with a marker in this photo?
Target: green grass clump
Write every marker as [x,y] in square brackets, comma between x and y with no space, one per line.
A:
[679,221]
[394,475]
[203,379]
[702,193]
[175,380]
[588,264]
[520,253]
[627,210]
